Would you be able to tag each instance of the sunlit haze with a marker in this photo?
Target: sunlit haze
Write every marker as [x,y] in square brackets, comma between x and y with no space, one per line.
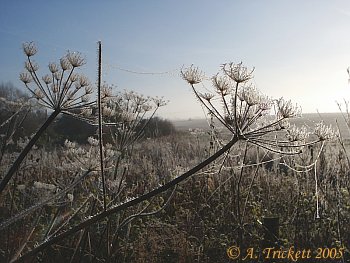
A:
[300,49]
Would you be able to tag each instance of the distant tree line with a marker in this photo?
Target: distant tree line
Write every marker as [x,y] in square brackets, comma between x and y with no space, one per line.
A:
[66,127]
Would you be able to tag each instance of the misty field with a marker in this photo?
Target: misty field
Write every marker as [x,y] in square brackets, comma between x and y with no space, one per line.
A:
[85,180]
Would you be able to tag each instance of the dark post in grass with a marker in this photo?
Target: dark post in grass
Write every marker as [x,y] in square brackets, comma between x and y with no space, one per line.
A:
[271,231]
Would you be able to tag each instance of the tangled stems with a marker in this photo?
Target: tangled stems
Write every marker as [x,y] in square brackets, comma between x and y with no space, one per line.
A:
[100,216]
[26,150]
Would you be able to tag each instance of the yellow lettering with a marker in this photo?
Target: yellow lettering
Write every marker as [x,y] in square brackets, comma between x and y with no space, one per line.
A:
[291,254]
[268,250]
[250,253]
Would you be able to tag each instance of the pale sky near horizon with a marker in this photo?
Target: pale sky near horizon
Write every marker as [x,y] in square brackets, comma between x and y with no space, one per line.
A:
[300,49]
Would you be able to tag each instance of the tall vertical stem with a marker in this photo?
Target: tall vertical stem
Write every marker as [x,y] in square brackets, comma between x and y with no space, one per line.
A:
[100,124]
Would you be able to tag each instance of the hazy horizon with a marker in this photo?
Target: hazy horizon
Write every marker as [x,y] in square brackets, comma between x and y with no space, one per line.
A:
[303,115]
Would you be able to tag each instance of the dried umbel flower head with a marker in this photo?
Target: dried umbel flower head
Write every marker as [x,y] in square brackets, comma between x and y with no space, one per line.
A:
[88,90]
[324,132]
[160,102]
[31,66]
[56,90]
[29,49]
[130,112]
[39,94]
[57,76]
[83,81]
[53,67]
[107,111]
[47,79]
[65,64]
[106,91]
[207,96]
[286,109]
[74,77]
[146,107]
[295,133]
[84,157]
[75,59]
[222,84]
[192,75]
[245,112]
[237,72]
[25,77]
[251,96]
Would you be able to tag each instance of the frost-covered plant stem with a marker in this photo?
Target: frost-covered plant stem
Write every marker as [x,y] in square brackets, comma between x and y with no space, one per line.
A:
[100,124]
[26,150]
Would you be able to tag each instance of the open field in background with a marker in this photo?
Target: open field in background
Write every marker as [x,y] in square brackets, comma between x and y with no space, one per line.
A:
[309,119]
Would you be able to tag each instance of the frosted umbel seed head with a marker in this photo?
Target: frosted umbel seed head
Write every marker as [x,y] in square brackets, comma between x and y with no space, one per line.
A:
[47,79]
[192,75]
[38,93]
[324,132]
[25,77]
[83,81]
[237,72]
[295,134]
[76,59]
[31,67]
[53,67]
[29,49]
[63,89]
[160,102]
[65,64]
[222,84]
[207,96]
[287,110]
[251,96]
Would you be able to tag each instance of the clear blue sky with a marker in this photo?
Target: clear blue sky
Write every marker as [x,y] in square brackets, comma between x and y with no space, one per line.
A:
[300,49]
